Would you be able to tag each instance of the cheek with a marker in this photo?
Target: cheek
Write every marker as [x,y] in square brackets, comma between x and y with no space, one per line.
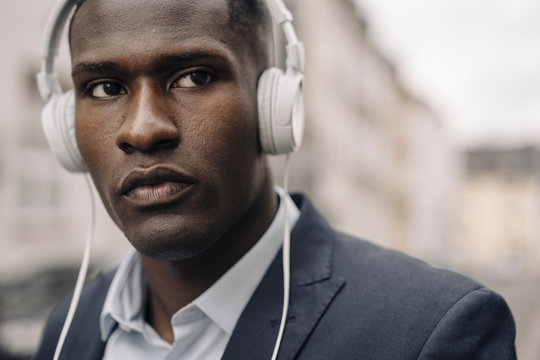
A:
[224,142]
[228,128]
[95,138]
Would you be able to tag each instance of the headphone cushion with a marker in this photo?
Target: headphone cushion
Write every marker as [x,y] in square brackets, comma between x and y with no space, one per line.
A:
[58,121]
[267,89]
[281,115]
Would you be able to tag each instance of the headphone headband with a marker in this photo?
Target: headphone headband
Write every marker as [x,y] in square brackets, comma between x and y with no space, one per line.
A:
[47,78]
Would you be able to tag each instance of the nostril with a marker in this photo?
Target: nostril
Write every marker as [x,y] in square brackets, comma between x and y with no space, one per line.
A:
[126,147]
[167,144]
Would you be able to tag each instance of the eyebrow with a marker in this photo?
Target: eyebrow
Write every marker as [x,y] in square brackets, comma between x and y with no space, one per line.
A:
[193,56]
[93,67]
[183,58]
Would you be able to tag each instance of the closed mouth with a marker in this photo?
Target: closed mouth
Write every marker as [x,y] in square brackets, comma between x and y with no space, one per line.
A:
[155,186]
[156,192]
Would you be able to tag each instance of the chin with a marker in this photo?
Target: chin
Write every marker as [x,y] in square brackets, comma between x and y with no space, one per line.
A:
[171,253]
[171,244]
[171,249]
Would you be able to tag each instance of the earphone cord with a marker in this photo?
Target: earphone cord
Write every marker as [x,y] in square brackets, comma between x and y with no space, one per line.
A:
[82,273]
[286,258]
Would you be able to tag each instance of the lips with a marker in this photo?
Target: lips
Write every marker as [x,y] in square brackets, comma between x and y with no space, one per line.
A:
[155,186]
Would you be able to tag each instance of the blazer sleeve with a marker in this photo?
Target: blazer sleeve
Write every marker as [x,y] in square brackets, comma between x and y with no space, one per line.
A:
[478,326]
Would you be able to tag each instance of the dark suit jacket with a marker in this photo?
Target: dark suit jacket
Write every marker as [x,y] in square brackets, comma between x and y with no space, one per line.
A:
[349,300]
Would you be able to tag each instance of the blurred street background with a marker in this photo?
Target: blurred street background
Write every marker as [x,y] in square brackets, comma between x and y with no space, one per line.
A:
[422,134]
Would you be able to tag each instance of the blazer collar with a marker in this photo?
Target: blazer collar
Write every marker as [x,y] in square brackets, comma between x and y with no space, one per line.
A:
[313,287]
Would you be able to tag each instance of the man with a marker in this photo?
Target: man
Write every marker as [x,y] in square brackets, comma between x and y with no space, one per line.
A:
[166,122]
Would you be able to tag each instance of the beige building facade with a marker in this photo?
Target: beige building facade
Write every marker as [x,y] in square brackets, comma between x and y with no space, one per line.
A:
[376,160]
[500,216]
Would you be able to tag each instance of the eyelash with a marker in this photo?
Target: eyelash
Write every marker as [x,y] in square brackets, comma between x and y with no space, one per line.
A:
[92,86]
[208,73]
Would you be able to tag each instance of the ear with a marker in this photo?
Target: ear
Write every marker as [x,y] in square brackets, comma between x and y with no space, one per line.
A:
[58,120]
[281,111]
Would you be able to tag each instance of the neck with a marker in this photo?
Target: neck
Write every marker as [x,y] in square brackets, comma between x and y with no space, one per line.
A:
[174,284]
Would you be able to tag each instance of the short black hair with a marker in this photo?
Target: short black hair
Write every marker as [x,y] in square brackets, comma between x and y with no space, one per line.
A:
[246,13]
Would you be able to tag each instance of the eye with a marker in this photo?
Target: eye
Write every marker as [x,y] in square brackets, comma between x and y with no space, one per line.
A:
[107,89]
[193,79]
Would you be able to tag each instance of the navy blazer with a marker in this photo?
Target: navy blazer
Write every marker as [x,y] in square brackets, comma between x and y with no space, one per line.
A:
[349,299]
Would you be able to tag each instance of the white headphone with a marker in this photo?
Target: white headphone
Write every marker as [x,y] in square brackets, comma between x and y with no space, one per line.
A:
[279,93]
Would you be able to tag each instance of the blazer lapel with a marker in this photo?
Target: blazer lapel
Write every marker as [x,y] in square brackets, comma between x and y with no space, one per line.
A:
[85,340]
[312,290]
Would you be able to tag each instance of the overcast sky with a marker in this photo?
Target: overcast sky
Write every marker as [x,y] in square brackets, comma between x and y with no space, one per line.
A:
[476,61]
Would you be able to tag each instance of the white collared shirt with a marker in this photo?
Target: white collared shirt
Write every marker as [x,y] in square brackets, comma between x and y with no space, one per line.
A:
[202,328]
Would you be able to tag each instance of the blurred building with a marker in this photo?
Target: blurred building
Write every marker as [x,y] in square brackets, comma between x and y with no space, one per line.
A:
[500,211]
[376,160]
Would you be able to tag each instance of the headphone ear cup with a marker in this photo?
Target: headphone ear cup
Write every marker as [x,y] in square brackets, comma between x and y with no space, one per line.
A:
[266,101]
[281,111]
[58,120]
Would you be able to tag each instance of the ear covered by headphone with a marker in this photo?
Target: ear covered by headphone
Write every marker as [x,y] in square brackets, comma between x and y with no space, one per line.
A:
[58,121]
[279,99]
[279,93]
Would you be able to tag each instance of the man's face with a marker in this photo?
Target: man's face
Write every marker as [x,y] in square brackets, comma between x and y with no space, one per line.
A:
[166,120]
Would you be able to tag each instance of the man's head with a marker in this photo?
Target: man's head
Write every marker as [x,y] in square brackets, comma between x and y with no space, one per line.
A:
[166,117]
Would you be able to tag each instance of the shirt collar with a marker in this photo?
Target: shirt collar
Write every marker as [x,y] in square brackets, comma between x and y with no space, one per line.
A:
[125,299]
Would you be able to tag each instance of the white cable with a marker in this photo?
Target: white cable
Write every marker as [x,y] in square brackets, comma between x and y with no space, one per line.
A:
[82,273]
[286,251]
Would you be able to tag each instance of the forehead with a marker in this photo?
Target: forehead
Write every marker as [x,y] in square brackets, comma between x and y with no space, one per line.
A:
[121,24]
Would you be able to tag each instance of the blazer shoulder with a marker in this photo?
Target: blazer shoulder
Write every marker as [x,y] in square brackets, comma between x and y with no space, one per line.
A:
[478,326]
[387,294]
[359,259]
[439,309]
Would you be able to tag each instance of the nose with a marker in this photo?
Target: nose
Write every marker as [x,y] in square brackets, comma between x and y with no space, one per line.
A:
[147,126]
